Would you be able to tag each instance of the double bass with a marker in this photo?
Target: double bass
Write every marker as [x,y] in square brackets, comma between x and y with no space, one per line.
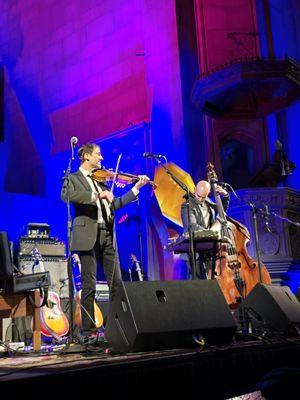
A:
[236,271]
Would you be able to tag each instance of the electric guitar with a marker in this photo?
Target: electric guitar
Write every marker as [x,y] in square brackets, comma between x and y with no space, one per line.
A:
[54,323]
[137,266]
[76,276]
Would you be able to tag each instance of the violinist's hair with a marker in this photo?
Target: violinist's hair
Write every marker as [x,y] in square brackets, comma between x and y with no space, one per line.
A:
[87,148]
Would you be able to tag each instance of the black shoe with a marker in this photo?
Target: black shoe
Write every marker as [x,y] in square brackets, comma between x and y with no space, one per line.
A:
[86,339]
[94,339]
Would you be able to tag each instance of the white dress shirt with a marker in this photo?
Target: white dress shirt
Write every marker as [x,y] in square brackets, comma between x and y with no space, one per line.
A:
[204,208]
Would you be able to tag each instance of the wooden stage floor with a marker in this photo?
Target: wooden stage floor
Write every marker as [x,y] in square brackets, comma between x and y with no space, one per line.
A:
[221,371]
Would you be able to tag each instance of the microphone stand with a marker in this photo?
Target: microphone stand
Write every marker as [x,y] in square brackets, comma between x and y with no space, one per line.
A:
[114,238]
[66,180]
[264,211]
[192,258]
[254,210]
[140,239]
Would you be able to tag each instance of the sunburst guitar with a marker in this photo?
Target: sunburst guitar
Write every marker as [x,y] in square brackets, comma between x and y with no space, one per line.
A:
[76,278]
[54,322]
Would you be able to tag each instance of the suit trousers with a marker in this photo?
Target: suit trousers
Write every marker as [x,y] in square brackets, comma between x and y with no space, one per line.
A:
[203,264]
[104,252]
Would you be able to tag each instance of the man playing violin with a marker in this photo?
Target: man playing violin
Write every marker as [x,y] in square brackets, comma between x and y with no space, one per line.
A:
[93,230]
[202,214]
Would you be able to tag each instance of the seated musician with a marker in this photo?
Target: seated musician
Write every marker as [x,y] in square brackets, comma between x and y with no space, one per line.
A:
[203,214]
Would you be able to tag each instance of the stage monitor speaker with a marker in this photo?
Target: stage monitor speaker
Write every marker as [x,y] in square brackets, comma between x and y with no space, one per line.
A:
[273,307]
[157,315]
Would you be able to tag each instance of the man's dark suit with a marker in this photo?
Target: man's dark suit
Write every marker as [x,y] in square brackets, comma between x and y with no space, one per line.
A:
[197,223]
[196,217]
[93,241]
[85,226]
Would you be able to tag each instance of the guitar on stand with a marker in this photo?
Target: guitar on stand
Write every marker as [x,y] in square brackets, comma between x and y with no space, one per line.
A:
[54,322]
[137,266]
[77,284]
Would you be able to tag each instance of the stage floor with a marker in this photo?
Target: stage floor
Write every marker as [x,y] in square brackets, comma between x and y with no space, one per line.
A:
[221,371]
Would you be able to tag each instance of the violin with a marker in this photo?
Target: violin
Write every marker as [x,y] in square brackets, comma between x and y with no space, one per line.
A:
[107,175]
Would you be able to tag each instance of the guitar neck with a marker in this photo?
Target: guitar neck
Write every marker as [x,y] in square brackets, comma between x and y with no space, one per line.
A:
[139,271]
[76,273]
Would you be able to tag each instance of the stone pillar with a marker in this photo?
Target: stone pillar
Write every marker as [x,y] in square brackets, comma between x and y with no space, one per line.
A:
[280,248]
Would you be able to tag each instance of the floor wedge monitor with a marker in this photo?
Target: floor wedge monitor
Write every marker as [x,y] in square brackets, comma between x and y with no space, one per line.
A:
[153,315]
[274,308]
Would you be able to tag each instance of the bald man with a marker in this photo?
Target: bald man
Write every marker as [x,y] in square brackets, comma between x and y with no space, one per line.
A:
[203,214]
[202,209]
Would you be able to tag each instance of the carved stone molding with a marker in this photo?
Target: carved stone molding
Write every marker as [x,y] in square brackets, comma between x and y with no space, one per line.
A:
[279,241]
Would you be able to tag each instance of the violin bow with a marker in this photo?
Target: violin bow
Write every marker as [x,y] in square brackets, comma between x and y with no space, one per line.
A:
[116,173]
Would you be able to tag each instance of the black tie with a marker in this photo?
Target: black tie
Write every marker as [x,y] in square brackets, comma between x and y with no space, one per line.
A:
[103,209]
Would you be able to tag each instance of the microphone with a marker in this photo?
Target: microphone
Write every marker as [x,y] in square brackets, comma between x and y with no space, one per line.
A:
[266,215]
[73,140]
[223,184]
[151,155]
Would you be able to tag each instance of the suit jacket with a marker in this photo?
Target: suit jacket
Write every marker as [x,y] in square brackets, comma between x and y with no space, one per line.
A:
[196,217]
[85,222]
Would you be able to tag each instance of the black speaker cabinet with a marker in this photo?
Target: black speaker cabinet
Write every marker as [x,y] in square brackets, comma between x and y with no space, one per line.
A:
[156,315]
[58,269]
[6,265]
[274,307]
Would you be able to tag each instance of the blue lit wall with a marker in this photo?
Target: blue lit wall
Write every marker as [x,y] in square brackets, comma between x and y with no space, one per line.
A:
[82,69]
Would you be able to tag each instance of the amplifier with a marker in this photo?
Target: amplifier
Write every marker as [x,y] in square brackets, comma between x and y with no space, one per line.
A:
[58,269]
[22,283]
[102,291]
[46,247]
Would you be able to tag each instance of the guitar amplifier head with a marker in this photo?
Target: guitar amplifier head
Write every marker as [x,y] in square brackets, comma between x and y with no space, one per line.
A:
[58,269]
[46,247]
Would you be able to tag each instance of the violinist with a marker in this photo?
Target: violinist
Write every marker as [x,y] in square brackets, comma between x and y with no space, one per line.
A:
[203,213]
[93,230]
